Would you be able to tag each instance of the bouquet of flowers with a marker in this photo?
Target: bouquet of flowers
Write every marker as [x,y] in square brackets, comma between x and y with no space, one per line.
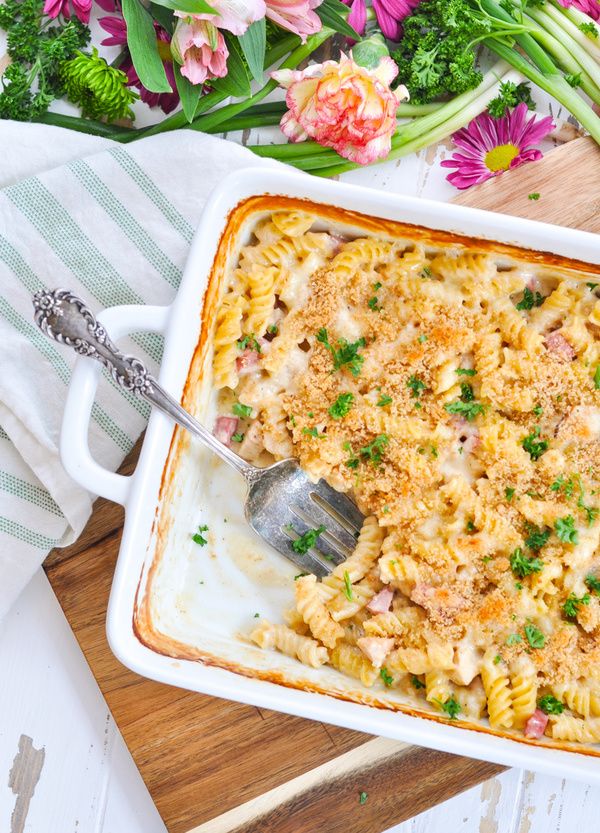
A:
[401,74]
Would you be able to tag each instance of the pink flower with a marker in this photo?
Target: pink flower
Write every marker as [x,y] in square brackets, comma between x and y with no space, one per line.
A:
[233,15]
[343,106]
[117,29]
[295,15]
[81,8]
[492,146]
[589,7]
[200,48]
[389,14]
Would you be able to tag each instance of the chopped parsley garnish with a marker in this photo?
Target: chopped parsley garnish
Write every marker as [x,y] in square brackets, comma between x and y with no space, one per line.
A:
[346,354]
[465,371]
[509,493]
[497,659]
[534,196]
[386,676]
[426,272]
[535,637]
[273,329]
[305,542]
[572,604]
[513,638]
[530,300]
[524,565]
[377,286]
[550,705]
[589,29]
[538,410]
[384,400]
[300,575]
[348,586]
[257,615]
[417,386]
[592,286]
[471,526]
[597,378]
[373,304]
[593,584]
[469,410]
[243,411]
[565,530]
[422,339]
[362,798]
[466,392]
[452,707]
[560,484]
[590,511]
[237,437]
[518,585]
[416,682]
[534,447]
[313,432]
[374,450]
[536,538]
[198,538]
[248,342]
[342,405]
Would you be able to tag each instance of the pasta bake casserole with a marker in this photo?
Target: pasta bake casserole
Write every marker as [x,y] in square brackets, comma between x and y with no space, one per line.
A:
[454,390]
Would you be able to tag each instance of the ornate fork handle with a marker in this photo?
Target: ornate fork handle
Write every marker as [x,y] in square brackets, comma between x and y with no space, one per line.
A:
[64,317]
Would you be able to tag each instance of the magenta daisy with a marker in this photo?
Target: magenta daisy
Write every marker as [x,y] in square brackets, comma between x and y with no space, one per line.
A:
[389,14]
[117,29]
[492,146]
[589,7]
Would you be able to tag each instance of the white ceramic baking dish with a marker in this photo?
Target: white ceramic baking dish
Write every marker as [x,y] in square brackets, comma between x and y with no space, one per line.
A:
[179,613]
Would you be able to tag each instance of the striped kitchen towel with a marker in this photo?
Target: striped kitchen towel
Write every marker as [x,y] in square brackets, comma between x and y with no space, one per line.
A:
[114,224]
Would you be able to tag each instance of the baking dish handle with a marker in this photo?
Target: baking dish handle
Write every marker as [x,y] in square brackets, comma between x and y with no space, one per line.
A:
[74,447]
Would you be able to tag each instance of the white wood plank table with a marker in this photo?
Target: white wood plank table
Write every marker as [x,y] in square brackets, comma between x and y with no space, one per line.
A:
[64,767]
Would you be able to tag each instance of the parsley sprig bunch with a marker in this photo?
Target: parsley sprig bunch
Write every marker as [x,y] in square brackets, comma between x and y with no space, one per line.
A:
[38,52]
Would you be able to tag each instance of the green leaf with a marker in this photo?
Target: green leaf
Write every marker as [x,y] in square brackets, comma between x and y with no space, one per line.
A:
[237,80]
[254,44]
[141,40]
[333,14]
[163,16]
[189,6]
[368,53]
[188,93]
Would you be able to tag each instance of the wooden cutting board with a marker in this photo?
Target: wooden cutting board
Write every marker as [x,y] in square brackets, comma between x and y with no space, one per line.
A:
[222,767]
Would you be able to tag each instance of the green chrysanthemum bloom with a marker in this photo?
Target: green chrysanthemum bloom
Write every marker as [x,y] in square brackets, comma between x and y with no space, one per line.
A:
[99,89]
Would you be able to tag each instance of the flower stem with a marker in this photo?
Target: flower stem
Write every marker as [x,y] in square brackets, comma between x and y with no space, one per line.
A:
[404,144]
[299,54]
[245,122]
[94,128]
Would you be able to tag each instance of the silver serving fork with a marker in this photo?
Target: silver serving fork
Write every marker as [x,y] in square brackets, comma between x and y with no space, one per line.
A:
[282,504]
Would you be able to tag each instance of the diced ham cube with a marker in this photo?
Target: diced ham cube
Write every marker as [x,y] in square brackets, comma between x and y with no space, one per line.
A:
[380,603]
[247,362]
[441,603]
[225,428]
[558,345]
[536,725]
[375,648]
[467,432]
